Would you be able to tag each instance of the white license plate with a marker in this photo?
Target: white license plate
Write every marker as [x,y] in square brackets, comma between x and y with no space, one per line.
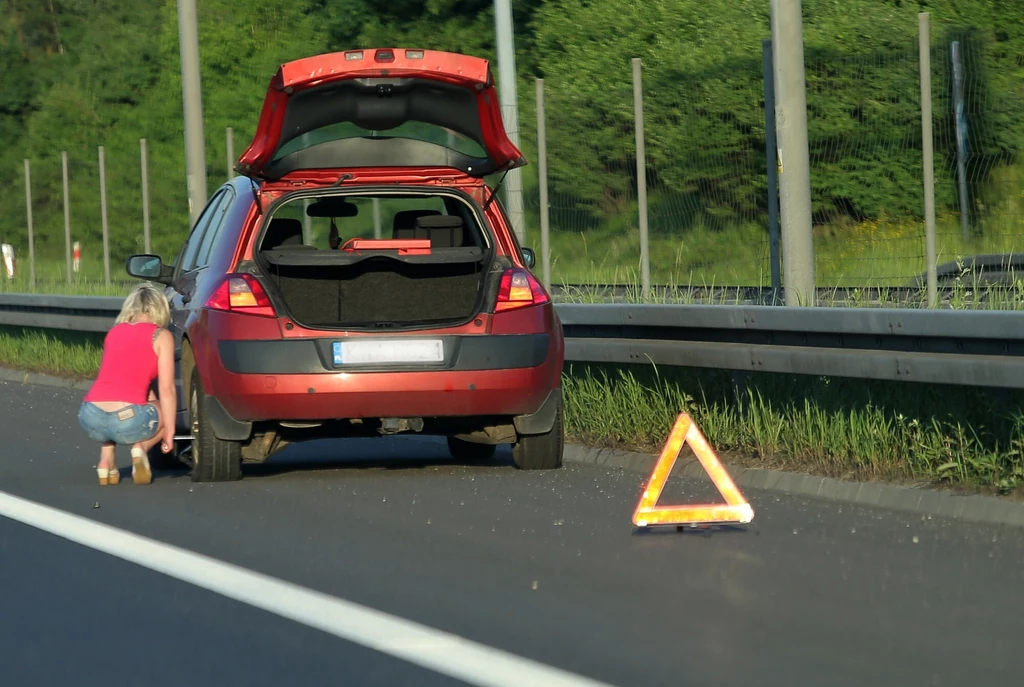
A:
[388,351]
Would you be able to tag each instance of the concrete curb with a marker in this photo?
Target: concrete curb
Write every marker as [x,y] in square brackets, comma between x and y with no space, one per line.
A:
[922,501]
[20,377]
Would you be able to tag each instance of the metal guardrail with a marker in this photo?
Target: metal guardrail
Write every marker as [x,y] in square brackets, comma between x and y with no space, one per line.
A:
[969,348]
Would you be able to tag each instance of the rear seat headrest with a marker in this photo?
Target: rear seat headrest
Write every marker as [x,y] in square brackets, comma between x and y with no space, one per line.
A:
[404,224]
[282,232]
[444,231]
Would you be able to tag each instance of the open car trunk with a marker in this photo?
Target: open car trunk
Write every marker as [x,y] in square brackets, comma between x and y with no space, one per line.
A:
[369,287]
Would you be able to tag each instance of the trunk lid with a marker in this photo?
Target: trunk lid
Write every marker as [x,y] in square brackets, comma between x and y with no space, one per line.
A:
[380,108]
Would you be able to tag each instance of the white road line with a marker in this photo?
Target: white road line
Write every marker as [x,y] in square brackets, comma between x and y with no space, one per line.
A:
[424,646]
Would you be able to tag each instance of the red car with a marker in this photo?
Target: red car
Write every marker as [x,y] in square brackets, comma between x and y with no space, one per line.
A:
[360,278]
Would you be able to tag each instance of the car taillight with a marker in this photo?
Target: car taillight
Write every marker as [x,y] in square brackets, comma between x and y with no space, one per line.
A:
[519,289]
[241,293]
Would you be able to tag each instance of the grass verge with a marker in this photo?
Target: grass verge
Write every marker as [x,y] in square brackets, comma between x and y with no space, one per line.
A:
[844,428]
[65,354]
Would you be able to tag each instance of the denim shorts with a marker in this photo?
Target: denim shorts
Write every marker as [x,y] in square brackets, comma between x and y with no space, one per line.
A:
[129,425]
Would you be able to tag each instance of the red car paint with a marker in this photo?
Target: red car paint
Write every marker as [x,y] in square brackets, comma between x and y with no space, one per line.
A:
[195,295]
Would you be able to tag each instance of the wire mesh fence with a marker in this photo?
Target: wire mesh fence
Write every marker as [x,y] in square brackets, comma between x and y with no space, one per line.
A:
[706,166]
[705,170]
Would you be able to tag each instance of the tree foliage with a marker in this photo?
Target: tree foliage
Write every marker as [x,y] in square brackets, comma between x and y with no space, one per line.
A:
[77,74]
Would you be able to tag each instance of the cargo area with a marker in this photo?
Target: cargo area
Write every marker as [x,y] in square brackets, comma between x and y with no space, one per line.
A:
[324,283]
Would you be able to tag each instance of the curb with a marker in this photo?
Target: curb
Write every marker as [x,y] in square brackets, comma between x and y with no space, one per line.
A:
[921,501]
[20,377]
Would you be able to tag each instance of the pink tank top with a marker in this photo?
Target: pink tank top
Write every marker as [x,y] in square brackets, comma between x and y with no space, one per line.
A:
[129,365]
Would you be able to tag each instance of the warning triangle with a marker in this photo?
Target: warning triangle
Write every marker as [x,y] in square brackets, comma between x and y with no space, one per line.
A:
[648,512]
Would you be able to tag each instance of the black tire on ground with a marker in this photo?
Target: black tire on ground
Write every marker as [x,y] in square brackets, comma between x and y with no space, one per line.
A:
[541,451]
[469,451]
[214,460]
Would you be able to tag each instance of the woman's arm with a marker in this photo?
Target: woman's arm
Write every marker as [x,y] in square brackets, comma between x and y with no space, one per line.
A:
[165,384]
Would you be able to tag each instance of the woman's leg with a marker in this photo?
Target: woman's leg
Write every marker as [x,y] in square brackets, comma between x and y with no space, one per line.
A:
[107,455]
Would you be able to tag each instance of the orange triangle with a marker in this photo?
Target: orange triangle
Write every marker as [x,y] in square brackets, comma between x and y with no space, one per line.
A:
[648,512]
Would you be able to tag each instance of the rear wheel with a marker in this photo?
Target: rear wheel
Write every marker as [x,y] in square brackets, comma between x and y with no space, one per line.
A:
[214,460]
[469,451]
[541,451]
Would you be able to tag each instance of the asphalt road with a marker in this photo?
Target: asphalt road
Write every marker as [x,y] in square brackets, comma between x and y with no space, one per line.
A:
[541,565]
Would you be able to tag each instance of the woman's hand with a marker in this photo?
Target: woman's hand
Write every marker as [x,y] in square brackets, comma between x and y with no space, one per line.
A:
[168,443]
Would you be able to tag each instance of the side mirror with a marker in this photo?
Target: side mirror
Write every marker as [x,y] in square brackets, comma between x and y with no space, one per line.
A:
[529,257]
[149,267]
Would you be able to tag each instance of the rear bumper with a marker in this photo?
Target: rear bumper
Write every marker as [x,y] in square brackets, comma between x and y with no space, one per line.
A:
[254,398]
[506,376]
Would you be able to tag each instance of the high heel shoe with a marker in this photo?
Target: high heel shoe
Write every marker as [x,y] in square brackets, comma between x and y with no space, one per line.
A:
[107,476]
[141,472]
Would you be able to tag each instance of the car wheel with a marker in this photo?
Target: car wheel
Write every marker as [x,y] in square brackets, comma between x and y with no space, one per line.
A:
[541,451]
[213,459]
[469,451]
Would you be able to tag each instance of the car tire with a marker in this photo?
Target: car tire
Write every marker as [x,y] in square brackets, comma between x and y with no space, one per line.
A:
[541,451]
[213,459]
[469,451]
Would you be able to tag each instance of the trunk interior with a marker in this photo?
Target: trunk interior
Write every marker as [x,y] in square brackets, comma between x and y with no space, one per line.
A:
[379,292]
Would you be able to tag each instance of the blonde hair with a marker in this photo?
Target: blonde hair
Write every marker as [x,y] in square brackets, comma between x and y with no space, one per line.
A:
[145,299]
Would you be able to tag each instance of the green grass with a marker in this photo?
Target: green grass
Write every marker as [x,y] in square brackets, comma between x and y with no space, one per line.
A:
[850,429]
[65,354]
[845,428]
[885,252]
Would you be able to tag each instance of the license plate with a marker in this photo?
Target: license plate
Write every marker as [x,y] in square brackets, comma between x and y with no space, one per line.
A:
[389,351]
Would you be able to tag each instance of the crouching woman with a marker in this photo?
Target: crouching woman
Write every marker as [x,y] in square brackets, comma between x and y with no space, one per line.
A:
[120,407]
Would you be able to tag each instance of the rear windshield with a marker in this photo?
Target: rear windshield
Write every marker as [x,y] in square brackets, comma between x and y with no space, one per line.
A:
[416,131]
[361,216]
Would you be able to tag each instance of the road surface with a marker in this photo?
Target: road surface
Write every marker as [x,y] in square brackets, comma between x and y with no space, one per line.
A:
[542,566]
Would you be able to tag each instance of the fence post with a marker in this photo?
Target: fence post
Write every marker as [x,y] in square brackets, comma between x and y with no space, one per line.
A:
[103,218]
[376,218]
[794,157]
[960,121]
[927,145]
[307,224]
[231,150]
[192,101]
[145,196]
[641,177]
[504,35]
[772,161]
[67,215]
[542,174]
[31,237]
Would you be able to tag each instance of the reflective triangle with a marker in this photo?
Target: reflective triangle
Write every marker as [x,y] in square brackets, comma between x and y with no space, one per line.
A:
[648,512]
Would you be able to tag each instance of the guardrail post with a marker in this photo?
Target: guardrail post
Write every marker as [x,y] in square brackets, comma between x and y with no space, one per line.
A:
[641,177]
[67,215]
[542,177]
[31,237]
[145,196]
[103,218]
[927,144]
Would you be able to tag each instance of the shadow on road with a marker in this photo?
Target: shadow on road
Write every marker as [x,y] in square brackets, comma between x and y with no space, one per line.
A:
[386,453]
